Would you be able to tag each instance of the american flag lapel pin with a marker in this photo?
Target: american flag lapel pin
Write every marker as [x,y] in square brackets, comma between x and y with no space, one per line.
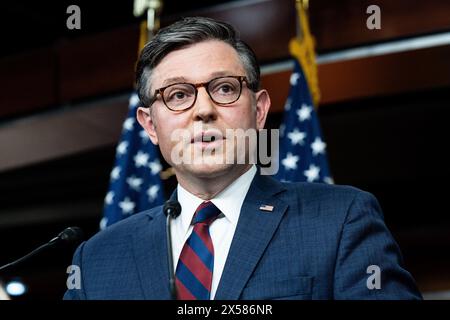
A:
[266,207]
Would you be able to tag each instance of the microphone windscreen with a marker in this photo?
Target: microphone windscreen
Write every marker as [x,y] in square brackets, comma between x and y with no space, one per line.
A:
[172,208]
[71,234]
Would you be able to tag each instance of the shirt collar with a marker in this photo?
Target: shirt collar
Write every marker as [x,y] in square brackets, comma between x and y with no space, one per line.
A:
[229,201]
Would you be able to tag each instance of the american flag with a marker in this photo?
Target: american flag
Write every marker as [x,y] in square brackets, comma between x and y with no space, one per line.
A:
[302,155]
[135,184]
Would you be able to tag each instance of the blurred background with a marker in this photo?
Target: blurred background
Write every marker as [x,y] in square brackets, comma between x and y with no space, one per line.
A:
[384,112]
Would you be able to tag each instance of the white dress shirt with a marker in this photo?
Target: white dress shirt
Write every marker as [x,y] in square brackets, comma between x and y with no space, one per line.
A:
[229,202]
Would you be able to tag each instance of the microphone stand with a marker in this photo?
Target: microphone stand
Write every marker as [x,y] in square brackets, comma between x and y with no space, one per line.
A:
[173,290]
[71,234]
[172,209]
[29,255]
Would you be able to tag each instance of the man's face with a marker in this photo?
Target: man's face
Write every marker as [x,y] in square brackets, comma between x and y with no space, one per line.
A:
[196,64]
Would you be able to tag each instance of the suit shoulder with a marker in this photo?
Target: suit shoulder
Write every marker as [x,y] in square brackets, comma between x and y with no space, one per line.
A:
[121,230]
[323,191]
[331,201]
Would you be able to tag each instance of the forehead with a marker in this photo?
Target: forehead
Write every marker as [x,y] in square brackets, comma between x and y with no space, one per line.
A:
[197,63]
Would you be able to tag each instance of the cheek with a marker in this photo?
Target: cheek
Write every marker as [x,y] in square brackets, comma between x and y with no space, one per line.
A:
[166,122]
[164,140]
[166,125]
[241,118]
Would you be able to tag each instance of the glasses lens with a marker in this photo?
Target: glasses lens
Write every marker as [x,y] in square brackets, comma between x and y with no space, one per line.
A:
[225,90]
[179,96]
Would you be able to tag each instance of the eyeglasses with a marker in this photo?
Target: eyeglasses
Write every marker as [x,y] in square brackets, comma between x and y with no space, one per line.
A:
[182,96]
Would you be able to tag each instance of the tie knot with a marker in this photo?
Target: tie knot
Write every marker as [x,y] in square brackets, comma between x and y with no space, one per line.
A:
[206,212]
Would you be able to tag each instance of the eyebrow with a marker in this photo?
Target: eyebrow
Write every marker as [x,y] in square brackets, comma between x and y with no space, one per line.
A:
[213,75]
[173,80]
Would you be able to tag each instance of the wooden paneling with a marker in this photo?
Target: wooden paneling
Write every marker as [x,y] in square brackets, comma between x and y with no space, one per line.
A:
[27,82]
[103,63]
[98,64]
[64,133]
[277,84]
[338,24]
[267,26]
[385,75]
[371,77]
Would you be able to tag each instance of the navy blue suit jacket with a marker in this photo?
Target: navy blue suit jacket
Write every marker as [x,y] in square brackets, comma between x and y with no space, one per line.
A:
[317,243]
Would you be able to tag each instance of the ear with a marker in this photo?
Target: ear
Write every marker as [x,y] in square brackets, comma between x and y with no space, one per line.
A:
[262,108]
[145,119]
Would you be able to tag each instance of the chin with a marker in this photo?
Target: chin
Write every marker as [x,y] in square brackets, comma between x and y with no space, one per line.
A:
[208,170]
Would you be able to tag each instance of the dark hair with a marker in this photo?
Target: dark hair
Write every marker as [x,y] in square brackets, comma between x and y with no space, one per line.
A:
[186,32]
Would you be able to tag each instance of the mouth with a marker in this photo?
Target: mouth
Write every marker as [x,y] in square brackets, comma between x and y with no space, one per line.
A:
[208,140]
[208,137]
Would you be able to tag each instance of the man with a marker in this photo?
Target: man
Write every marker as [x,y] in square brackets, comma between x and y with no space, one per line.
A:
[240,234]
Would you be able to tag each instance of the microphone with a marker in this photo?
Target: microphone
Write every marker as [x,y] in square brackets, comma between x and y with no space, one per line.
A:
[68,235]
[172,210]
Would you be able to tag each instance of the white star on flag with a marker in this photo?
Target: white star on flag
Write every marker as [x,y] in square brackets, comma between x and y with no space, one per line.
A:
[127,206]
[133,101]
[103,223]
[128,124]
[328,180]
[282,129]
[135,183]
[155,166]
[290,162]
[288,105]
[115,173]
[122,148]
[304,113]
[294,78]
[109,197]
[152,192]
[312,173]
[140,159]
[297,137]
[131,182]
[144,136]
[301,144]
[318,146]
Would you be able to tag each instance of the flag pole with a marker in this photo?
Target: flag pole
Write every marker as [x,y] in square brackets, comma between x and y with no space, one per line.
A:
[152,9]
[303,48]
[302,152]
[147,29]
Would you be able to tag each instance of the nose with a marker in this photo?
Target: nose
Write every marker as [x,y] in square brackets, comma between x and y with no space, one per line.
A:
[204,108]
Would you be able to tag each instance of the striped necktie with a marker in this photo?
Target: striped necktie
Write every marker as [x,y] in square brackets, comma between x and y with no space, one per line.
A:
[193,276]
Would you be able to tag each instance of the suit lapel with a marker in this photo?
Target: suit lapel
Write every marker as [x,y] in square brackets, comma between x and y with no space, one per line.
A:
[254,231]
[150,253]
